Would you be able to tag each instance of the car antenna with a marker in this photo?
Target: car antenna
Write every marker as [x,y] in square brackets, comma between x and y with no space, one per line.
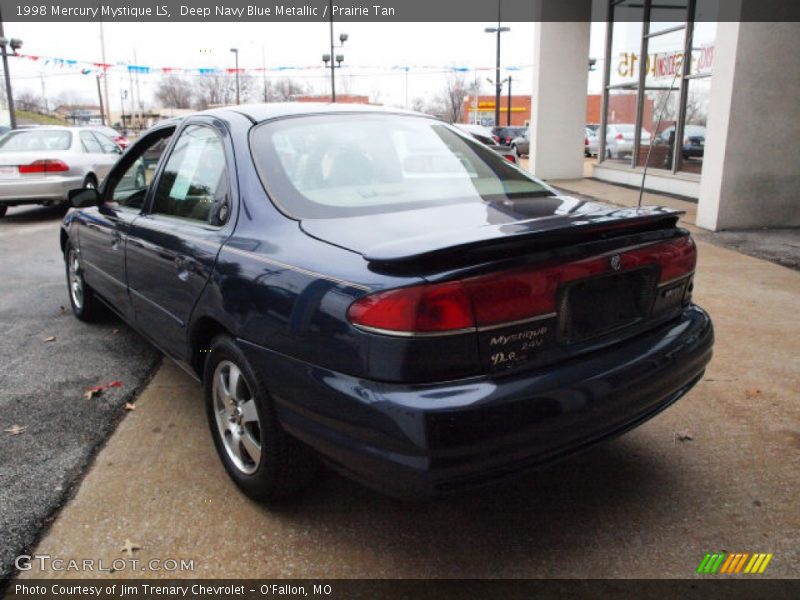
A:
[653,134]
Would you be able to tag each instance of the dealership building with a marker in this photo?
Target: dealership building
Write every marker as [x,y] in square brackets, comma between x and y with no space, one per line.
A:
[712,112]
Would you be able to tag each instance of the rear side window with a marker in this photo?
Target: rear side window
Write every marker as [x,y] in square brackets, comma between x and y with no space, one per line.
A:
[356,164]
[106,144]
[194,176]
[33,141]
[90,143]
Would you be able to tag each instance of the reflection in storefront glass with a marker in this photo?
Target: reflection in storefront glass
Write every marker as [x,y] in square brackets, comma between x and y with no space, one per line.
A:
[694,133]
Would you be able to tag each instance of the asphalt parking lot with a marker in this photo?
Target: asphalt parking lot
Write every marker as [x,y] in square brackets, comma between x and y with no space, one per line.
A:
[42,380]
[716,472]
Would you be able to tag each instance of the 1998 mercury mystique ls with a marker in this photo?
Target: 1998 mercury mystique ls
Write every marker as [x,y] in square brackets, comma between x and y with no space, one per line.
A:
[376,289]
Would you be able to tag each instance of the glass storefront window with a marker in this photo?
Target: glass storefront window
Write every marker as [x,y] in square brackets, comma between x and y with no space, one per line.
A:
[672,108]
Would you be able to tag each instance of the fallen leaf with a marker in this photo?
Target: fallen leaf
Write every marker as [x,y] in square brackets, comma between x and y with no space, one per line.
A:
[16,429]
[129,406]
[752,393]
[684,435]
[92,392]
[114,331]
[52,338]
[62,309]
[129,547]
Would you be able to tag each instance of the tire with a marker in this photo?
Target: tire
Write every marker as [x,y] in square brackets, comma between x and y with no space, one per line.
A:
[264,461]
[85,304]
[3,210]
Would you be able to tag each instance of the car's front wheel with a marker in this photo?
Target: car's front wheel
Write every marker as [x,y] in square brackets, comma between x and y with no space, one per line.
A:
[261,458]
[84,304]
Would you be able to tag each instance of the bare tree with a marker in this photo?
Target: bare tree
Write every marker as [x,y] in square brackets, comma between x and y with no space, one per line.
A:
[668,101]
[418,104]
[173,91]
[219,89]
[284,90]
[28,101]
[451,99]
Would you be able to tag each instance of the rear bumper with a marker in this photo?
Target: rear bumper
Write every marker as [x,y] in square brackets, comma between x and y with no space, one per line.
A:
[23,190]
[425,439]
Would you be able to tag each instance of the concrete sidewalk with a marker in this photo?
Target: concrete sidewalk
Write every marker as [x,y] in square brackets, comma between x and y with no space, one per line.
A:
[644,505]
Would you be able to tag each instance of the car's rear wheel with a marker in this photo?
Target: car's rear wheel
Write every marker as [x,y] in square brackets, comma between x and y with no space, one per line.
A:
[261,458]
[84,304]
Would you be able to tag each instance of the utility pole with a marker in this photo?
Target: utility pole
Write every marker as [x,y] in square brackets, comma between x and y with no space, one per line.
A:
[498,84]
[508,116]
[236,70]
[133,105]
[12,116]
[122,94]
[264,66]
[100,96]
[105,70]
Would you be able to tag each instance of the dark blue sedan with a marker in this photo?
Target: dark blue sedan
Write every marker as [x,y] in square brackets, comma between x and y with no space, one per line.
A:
[375,289]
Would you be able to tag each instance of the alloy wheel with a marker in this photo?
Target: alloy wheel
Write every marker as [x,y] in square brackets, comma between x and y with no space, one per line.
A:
[75,279]
[236,417]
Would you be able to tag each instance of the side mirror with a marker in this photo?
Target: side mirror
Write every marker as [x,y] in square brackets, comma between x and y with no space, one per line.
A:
[84,197]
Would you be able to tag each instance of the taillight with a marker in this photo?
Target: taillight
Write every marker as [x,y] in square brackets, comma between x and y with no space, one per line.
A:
[586,141]
[416,309]
[620,136]
[507,297]
[510,158]
[46,165]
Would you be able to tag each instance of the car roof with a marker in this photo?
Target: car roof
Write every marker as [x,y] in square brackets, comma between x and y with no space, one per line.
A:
[265,112]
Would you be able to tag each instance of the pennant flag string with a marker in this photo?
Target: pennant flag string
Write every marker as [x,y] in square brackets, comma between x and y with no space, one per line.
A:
[88,67]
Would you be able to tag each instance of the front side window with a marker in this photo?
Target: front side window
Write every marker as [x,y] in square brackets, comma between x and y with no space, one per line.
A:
[194,177]
[131,188]
[350,165]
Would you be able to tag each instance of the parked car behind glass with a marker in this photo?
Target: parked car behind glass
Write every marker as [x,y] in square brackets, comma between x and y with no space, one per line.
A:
[506,135]
[619,139]
[374,289]
[41,165]
[521,145]
[485,136]
[694,140]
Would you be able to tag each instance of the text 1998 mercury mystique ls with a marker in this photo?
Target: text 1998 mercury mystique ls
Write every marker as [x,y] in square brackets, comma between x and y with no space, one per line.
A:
[375,288]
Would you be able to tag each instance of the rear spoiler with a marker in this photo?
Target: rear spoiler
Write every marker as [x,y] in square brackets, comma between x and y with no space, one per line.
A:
[540,231]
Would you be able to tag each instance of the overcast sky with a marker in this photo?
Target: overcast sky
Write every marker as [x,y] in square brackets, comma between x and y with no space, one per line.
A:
[191,45]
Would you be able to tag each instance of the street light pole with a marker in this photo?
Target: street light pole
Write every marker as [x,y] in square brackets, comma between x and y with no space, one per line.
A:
[333,72]
[12,115]
[335,59]
[498,85]
[236,55]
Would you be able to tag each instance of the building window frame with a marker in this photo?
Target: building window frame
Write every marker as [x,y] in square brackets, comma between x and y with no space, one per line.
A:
[640,85]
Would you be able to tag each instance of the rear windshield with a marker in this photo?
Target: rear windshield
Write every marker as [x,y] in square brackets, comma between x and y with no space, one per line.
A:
[330,166]
[31,141]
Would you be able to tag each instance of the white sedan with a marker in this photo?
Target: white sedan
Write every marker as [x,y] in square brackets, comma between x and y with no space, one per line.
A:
[42,164]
